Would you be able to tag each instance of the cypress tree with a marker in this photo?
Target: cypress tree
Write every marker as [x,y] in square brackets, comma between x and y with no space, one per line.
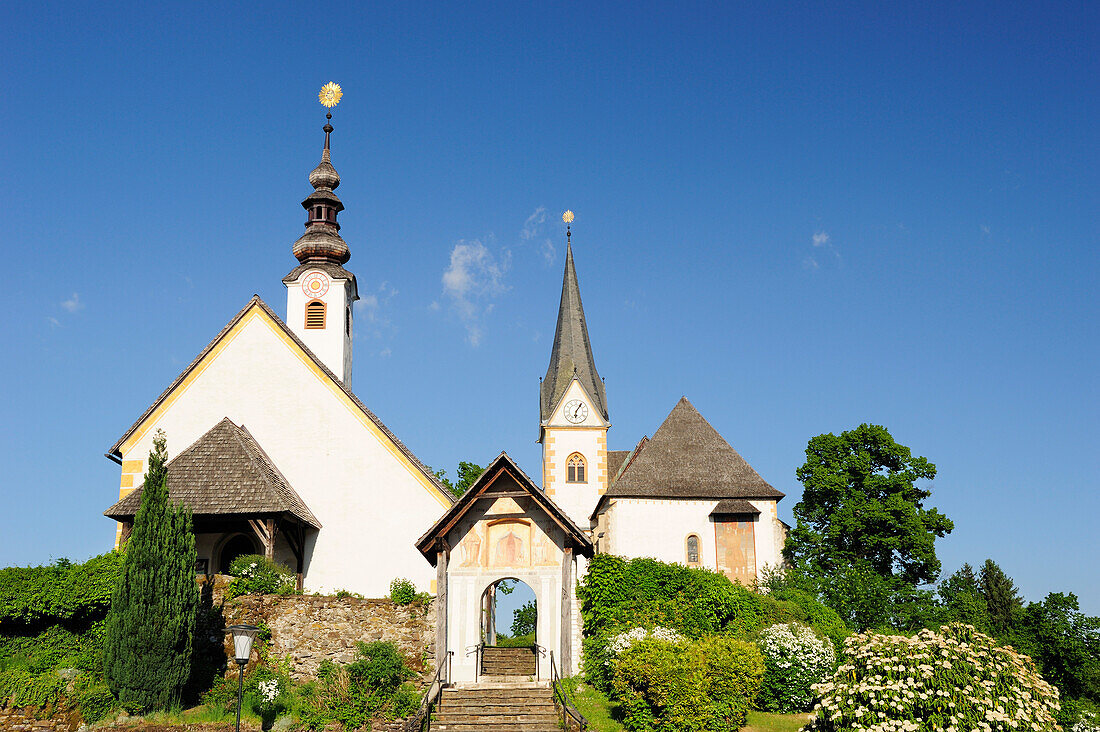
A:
[1001,597]
[147,650]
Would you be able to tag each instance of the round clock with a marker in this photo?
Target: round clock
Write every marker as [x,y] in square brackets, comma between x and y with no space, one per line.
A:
[315,284]
[576,411]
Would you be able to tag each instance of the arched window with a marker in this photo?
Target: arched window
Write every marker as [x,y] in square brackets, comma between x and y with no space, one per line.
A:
[692,550]
[575,469]
[315,314]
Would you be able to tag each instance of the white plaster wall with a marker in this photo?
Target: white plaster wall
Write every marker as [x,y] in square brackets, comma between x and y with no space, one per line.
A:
[331,344]
[659,528]
[589,438]
[766,533]
[371,505]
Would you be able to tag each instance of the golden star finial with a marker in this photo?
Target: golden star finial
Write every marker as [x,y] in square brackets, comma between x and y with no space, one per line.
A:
[330,94]
[567,217]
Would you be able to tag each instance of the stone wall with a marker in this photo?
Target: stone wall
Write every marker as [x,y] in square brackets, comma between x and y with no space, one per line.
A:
[24,719]
[310,629]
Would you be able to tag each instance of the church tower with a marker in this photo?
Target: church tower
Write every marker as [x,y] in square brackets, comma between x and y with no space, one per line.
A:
[319,291]
[573,417]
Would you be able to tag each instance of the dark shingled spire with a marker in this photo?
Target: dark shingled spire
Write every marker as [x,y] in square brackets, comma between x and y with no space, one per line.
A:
[572,354]
[322,242]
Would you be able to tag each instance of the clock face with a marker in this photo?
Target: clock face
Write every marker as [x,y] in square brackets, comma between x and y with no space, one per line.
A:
[315,284]
[576,411]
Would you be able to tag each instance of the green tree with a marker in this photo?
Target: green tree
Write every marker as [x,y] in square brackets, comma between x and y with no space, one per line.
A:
[466,474]
[963,600]
[861,507]
[1066,644]
[1001,597]
[524,619]
[147,649]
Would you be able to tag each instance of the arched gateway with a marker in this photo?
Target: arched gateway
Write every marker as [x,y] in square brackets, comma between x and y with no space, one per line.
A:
[505,527]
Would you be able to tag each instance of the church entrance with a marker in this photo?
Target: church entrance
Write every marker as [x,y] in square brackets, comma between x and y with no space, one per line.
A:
[509,619]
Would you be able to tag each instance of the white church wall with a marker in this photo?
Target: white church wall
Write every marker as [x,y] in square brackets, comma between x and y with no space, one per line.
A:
[371,503]
[659,528]
[767,540]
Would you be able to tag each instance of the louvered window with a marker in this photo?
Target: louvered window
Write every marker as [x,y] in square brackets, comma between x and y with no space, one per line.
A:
[315,314]
[575,469]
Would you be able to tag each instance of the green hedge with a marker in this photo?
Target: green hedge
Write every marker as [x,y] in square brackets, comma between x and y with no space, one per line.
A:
[618,594]
[59,593]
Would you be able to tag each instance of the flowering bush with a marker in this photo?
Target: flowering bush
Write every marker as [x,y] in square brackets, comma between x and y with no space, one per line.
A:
[687,686]
[255,574]
[796,659]
[617,644]
[956,680]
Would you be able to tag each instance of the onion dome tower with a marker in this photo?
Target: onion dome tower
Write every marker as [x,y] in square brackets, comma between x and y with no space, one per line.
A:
[320,291]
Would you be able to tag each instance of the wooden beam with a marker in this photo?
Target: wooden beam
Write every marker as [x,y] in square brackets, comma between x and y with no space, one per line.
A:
[566,611]
[127,529]
[441,560]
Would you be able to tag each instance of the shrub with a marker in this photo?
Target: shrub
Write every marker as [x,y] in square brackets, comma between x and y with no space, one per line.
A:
[958,679]
[704,684]
[35,597]
[796,659]
[255,574]
[402,591]
[373,686]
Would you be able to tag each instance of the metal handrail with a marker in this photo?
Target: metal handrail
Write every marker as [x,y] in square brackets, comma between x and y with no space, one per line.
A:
[478,650]
[538,651]
[562,697]
[433,697]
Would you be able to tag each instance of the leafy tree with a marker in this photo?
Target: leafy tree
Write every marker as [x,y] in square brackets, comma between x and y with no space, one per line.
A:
[1001,597]
[1066,644]
[963,599]
[147,652]
[524,619]
[861,507]
[466,474]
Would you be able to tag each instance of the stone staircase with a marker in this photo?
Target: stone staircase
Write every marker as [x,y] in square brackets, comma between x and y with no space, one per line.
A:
[500,707]
[504,662]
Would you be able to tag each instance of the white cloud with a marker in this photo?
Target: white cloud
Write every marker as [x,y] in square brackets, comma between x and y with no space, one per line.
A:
[474,277]
[985,230]
[372,318]
[386,352]
[54,322]
[821,239]
[549,251]
[810,263]
[73,304]
[533,223]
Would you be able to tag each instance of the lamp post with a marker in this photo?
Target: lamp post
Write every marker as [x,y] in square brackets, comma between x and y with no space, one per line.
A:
[243,635]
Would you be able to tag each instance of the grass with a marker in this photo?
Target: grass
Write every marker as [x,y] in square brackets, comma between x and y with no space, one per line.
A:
[597,709]
[765,722]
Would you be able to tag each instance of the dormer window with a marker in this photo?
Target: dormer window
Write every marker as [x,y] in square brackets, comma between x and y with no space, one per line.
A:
[575,469]
[315,315]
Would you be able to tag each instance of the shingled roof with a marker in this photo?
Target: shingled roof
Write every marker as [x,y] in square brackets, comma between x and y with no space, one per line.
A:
[225,473]
[687,458]
[572,353]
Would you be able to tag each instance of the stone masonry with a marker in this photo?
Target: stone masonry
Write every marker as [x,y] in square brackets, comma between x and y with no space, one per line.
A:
[311,629]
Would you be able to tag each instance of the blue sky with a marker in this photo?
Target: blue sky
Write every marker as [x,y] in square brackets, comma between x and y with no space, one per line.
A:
[801,218]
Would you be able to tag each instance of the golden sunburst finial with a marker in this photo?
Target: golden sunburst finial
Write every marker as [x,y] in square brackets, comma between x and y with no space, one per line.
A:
[567,217]
[330,94]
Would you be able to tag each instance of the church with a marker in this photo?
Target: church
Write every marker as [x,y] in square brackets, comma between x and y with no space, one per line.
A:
[275,454]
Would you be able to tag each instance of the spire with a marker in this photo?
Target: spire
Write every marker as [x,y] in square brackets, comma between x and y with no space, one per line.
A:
[322,242]
[571,357]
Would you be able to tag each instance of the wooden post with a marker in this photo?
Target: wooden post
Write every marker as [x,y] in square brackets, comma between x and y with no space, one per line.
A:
[566,611]
[266,530]
[127,529]
[441,558]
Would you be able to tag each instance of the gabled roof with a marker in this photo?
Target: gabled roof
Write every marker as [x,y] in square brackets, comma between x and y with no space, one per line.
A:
[225,472]
[483,487]
[571,356]
[256,303]
[687,458]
